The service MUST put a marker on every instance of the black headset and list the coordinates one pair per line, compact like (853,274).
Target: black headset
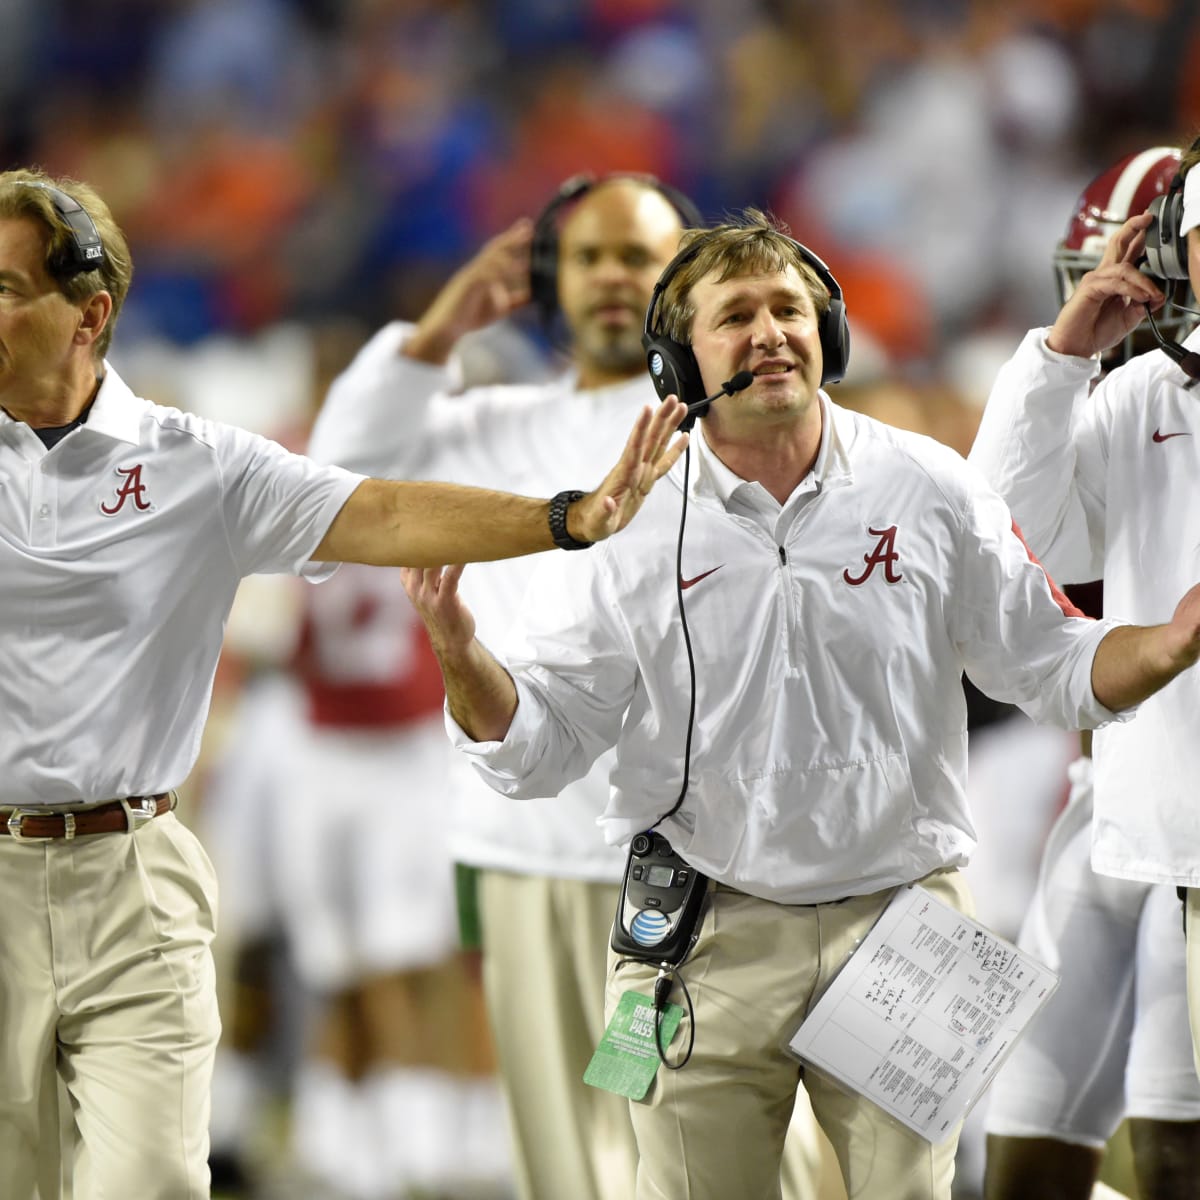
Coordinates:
(673,366)
(543,250)
(1166,247)
(1165,255)
(85,250)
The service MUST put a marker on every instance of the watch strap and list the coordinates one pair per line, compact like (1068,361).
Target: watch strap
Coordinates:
(558,521)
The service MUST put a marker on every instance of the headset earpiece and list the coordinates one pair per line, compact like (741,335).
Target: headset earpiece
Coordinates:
(1166,249)
(672,365)
(673,370)
(85,250)
(834,330)
(543,249)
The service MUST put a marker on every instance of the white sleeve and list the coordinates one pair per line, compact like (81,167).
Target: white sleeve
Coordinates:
(1037,446)
(573,663)
(276,506)
(1021,640)
(390,416)
(375,417)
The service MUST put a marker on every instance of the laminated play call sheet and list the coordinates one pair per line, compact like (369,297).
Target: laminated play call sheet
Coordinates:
(924,1012)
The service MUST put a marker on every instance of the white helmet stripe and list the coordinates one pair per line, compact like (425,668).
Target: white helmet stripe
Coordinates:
(1133,177)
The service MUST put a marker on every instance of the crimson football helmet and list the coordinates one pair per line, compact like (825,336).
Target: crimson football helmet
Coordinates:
(1123,191)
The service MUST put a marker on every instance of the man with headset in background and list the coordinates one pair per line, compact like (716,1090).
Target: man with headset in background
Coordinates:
(547,880)
(1102,481)
(840,575)
(125,529)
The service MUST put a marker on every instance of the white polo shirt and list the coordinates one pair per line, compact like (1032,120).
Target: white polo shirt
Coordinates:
(120,552)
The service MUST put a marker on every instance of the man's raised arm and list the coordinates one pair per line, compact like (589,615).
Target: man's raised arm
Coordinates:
(401,524)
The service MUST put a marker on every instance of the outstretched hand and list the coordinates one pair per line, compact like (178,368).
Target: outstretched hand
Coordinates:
(492,285)
(1133,661)
(648,455)
(1111,300)
(480,693)
(434,594)
(1183,632)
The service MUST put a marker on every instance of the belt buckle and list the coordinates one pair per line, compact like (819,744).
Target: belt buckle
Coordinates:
(138,812)
(16,821)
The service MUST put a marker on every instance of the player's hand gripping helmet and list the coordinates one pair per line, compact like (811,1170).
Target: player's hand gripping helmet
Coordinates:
(1115,195)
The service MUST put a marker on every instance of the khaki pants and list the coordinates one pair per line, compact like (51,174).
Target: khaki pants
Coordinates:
(1192,925)
(544,947)
(716,1128)
(107,973)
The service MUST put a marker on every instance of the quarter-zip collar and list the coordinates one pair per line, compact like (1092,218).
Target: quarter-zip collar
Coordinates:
(713,480)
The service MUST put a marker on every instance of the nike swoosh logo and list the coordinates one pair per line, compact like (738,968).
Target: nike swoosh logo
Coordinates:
(687,583)
(1166,437)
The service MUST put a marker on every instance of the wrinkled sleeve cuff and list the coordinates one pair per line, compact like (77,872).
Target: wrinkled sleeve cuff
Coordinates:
(1093,714)
(1086,367)
(522,746)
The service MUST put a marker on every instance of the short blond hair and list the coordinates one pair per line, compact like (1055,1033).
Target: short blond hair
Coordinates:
(19,199)
(749,244)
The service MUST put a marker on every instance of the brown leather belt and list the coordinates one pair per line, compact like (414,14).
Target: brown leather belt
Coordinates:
(118,816)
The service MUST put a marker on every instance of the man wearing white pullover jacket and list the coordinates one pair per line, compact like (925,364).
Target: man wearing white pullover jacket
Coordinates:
(840,576)
(548,882)
(1111,1043)
(1103,481)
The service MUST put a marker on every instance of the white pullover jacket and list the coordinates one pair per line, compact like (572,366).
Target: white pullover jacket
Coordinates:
(1104,486)
(829,752)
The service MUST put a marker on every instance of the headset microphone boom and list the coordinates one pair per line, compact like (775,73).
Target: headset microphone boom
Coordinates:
(739,383)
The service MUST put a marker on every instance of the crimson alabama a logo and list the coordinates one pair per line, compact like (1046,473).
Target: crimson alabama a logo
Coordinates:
(884,554)
(130,488)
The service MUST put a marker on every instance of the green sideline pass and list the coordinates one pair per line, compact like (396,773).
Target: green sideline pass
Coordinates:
(626,1060)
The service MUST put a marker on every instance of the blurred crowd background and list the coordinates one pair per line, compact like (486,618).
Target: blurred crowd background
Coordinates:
(293,173)
(322,163)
